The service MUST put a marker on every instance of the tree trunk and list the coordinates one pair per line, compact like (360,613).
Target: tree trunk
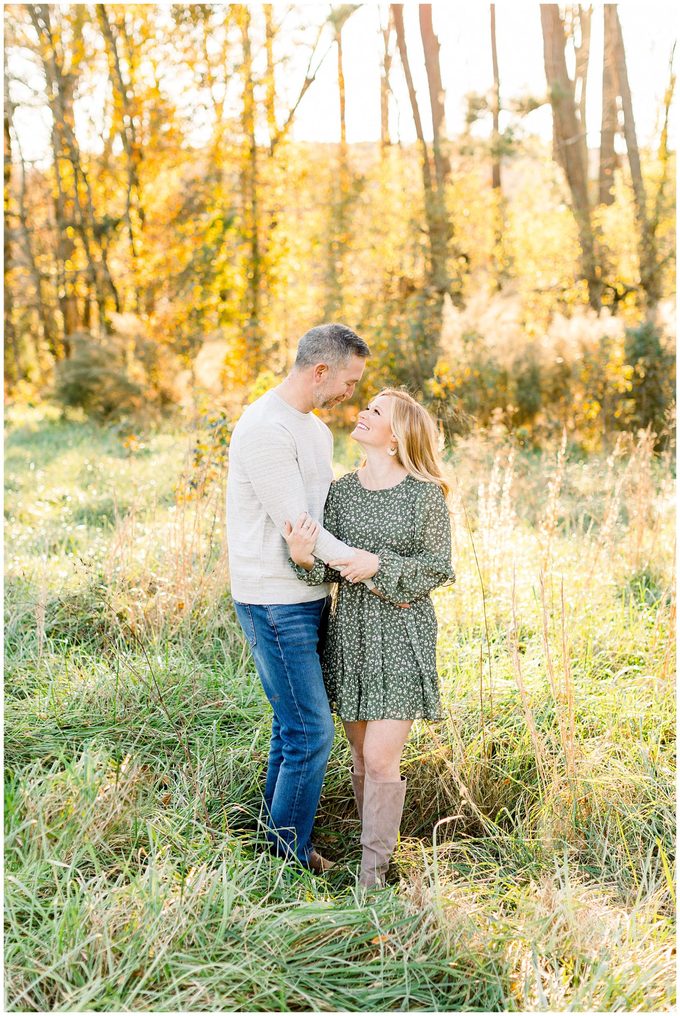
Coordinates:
(439,231)
(436,217)
(434,81)
(250,194)
(341,95)
(13,363)
(582,54)
(44,305)
(571,143)
(386,65)
(340,189)
(663,154)
(609,113)
(128,132)
(647,253)
(270,93)
(496,107)
(70,211)
(499,258)
(60,92)
(398,18)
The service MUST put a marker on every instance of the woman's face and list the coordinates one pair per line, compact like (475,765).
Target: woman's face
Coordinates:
(373,428)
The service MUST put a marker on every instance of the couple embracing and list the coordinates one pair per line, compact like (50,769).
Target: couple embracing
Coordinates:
(380,538)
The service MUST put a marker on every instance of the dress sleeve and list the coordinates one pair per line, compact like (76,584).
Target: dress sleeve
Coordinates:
(403,579)
(321,572)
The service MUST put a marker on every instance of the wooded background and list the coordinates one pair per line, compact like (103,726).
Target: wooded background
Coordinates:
(168,238)
(502,279)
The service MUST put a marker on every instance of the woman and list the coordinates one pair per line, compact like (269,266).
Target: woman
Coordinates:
(379,657)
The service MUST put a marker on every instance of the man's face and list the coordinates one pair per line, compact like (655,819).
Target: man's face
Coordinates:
(336,384)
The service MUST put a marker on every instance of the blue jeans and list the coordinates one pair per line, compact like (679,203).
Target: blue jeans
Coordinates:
(285,639)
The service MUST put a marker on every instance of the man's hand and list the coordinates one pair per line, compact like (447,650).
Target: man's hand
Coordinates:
(362,565)
(301,539)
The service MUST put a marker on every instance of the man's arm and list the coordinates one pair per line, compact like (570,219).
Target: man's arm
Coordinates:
(270,463)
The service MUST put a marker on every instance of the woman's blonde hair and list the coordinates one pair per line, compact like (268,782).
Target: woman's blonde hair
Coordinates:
(417,437)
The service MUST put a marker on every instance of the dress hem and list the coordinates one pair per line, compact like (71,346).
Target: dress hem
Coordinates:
(369,719)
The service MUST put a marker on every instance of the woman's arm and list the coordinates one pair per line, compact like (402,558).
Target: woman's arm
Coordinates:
(405,578)
(301,541)
(301,538)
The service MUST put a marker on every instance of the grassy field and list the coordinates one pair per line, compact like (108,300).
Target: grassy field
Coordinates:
(536,865)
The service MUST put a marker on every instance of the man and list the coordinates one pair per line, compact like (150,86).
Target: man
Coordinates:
(280,465)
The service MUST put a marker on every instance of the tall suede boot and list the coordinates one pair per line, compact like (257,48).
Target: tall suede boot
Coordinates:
(383,807)
(358,784)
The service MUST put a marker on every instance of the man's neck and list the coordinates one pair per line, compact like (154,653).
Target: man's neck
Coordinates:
(295,394)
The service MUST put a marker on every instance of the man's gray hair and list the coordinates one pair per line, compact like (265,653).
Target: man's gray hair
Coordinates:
(331,344)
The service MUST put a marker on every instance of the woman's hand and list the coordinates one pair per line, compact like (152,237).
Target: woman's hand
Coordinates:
(301,539)
(362,565)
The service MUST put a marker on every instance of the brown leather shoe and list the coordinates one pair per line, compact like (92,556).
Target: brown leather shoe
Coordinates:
(319,864)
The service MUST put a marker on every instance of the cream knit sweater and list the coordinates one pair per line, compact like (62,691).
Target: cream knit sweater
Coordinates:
(279,466)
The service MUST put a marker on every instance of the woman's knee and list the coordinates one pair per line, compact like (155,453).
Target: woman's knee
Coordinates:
(355,737)
(380,766)
(357,753)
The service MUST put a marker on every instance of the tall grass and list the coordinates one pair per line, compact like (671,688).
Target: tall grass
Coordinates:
(535,868)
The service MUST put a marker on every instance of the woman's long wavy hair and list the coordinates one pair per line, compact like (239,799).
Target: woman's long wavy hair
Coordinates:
(417,437)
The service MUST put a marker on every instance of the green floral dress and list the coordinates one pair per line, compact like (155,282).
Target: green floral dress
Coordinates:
(379,659)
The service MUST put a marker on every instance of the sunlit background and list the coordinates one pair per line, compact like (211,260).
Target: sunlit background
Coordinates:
(465,60)
(173,224)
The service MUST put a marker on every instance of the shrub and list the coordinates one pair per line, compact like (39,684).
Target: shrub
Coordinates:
(526,388)
(585,372)
(95,377)
(653,376)
(111,376)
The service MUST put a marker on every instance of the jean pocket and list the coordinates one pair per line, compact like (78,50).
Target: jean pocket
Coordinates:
(296,624)
(245,617)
